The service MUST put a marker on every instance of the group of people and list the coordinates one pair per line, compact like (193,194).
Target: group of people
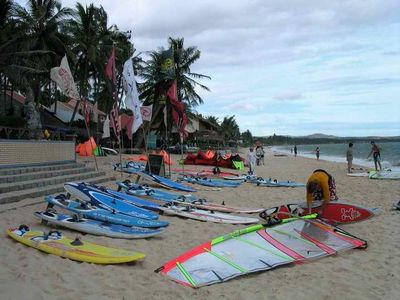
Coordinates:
(375,152)
(255,158)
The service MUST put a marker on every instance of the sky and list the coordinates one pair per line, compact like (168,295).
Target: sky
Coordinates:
(286,67)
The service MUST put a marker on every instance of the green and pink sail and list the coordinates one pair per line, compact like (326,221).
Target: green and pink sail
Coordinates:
(258,248)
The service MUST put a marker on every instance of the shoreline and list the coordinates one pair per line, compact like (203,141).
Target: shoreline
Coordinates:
(363,163)
(358,274)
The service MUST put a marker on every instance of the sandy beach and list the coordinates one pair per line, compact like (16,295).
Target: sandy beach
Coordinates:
(373,273)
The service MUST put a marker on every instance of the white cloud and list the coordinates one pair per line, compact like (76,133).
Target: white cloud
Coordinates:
(288,95)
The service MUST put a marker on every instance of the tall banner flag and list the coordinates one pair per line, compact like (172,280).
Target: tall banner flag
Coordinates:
(114,115)
(114,119)
(110,69)
(132,96)
(106,128)
(147,112)
(167,66)
(178,110)
(63,77)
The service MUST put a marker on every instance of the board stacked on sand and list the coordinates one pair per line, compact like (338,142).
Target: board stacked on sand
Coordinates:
(182,200)
(258,248)
(384,174)
(276,183)
(145,191)
(210,182)
(96,227)
(95,196)
(96,213)
(165,182)
(56,243)
(206,215)
(129,167)
(335,212)
(178,208)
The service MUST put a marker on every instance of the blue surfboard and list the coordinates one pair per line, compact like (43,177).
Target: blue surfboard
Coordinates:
(153,193)
(166,182)
(101,199)
(96,213)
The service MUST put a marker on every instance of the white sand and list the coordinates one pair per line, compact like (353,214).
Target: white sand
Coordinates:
(373,273)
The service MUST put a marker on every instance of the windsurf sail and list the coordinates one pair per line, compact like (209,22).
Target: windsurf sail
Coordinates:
(257,248)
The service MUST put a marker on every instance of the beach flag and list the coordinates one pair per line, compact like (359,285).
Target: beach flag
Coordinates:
(63,77)
(129,127)
(114,119)
(96,112)
(106,128)
(110,69)
(86,111)
(132,96)
(165,116)
(167,66)
(147,112)
(178,110)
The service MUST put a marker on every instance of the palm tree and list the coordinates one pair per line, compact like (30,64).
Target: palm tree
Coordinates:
(184,59)
(229,128)
(42,22)
(213,120)
(157,81)
(84,32)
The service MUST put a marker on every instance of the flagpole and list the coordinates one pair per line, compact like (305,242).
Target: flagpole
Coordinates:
(90,140)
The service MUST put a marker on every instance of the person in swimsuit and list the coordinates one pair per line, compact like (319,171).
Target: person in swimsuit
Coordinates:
(376,154)
(317,153)
(349,158)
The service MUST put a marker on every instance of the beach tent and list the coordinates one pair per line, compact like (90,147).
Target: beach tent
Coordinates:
(211,158)
(143,157)
(86,148)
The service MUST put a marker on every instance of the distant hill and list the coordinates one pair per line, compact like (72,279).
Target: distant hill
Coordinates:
(321,136)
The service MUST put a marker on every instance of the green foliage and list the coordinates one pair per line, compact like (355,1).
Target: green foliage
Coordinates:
(247,138)
(12,121)
(35,37)
(229,128)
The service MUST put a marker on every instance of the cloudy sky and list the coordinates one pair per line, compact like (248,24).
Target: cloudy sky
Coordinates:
(292,67)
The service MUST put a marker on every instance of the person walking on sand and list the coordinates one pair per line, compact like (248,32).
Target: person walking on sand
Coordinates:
(376,154)
(295,150)
(251,160)
(317,153)
(349,158)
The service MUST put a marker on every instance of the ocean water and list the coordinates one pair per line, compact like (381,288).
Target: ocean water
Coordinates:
(390,153)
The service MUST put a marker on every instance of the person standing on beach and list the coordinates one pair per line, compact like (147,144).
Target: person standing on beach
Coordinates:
(317,153)
(376,154)
(295,150)
(251,160)
(349,158)
(260,155)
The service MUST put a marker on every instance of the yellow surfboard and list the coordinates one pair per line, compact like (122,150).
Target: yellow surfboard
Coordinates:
(55,243)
